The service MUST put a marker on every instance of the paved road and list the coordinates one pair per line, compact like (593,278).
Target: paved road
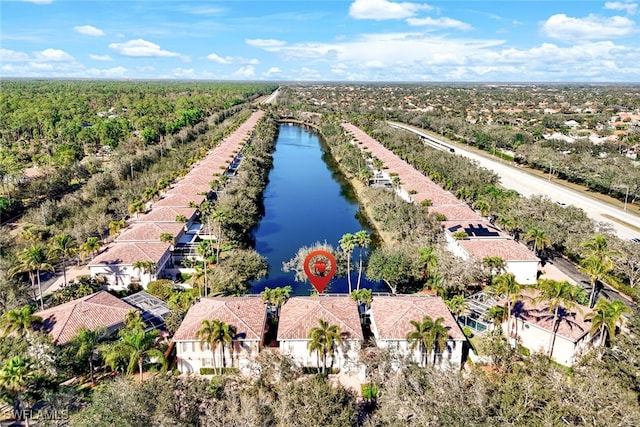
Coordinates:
(526,184)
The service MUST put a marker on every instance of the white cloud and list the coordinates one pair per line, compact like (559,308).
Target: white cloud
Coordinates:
(89,30)
(184,72)
(231,59)
(141,48)
(272,71)
(439,23)
(13,56)
(100,57)
(38,1)
(52,55)
(245,72)
(265,43)
(109,72)
(383,9)
(592,27)
(630,8)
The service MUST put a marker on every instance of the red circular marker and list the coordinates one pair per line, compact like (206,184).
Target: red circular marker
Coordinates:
(320,266)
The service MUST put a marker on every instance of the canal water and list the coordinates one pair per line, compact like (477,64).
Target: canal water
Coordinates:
(306,200)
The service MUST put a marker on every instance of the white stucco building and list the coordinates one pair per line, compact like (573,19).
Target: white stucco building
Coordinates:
(391,318)
(247,315)
(300,315)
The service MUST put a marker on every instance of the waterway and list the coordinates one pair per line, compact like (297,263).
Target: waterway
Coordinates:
(307,200)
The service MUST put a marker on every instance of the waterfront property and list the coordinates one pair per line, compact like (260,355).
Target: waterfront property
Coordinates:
(299,315)
(99,310)
(391,318)
(247,315)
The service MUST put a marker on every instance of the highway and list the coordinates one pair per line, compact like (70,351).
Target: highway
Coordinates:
(527,185)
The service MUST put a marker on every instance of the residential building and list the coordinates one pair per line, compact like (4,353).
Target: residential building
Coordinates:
(247,315)
(300,315)
(391,318)
(99,310)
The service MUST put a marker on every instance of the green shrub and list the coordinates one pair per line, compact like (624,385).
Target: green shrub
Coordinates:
(214,371)
(467,332)
(162,288)
(369,391)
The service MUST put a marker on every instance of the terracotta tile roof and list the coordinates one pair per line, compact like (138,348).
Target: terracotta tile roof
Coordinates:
(99,310)
(149,231)
(507,249)
(175,199)
(128,253)
(455,212)
(476,229)
(393,315)
(166,214)
(572,325)
(301,314)
(247,314)
(189,190)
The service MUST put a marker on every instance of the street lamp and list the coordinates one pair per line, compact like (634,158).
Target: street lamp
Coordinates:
(550,169)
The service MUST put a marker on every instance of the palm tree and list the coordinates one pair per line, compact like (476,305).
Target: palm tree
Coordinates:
(422,338)
(539,238)
(219,216)
(457,305)
(506,284)
(86,345)
(90,246)
(276,297)
(145,267)
(496,314)
(598,247)
(322,339)
(495,264)
(428,261)
(16,374)
(558,295)
(428,335)
(64,246)
(597,263)
(19,321)
(365,176)
(483,206)
(32,260)
(137,207)
(348,244)
(362,239)
(605,318)
(214,333)
(134,347)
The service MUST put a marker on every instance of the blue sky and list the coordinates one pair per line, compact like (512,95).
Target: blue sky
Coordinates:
(323,40)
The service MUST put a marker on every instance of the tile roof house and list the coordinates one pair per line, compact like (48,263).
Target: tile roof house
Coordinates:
(178,200)
(168,214)
(391,318)
(99,310)
(532,324)
(299,315)
(150,231)
(247,314)
(116,262)
(519,260)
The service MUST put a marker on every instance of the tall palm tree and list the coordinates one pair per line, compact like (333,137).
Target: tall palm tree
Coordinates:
(33,260)
(219,216)
(495,264)
(137,207)
(134,347)
(216,333)
(428,261)
(506,284)
(483,206)
(322,340)
(420,336)
(90,246)
(16,374)
(605,317)
(64,246)
(348,244)
(457,305)
(86,342)
(597,263)
(19,321)
(539,239)
(598,247)
(145,267)
(440,337)
(276,297)
(362,240)
(557,295)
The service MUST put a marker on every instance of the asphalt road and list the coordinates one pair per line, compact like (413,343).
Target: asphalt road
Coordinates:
(527,185)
